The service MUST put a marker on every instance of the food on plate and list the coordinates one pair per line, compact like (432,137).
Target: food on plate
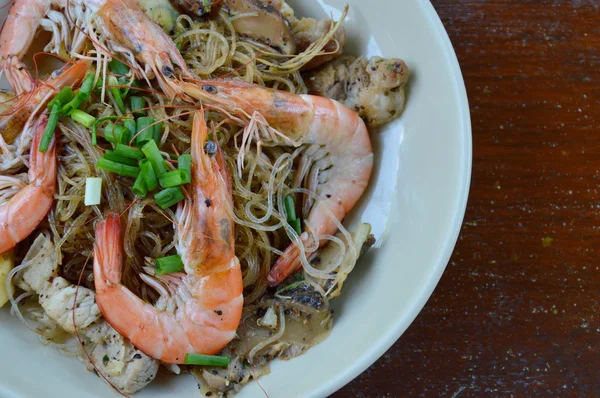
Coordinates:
(374,88)
(174,194)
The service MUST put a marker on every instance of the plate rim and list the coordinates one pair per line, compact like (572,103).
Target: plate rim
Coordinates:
(387,339)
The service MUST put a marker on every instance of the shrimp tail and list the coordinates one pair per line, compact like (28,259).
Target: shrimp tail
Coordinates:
(109,249)
(286,265)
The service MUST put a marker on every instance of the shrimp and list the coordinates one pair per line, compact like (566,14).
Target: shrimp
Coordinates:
(14,120)
(20,28)
(21,215)
(341,147)
(204,309)
(126,29)
(113,26)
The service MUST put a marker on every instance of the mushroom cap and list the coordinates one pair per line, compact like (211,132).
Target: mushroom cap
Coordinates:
(266,24)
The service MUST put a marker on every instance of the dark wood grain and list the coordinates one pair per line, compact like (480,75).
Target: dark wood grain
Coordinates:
(516,312)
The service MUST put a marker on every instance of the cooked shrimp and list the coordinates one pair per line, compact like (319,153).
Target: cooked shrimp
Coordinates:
(346,158)
(23,213)
(114,26)
(204,309)
(17,34)
(20,28)
(13,121)
(128,30)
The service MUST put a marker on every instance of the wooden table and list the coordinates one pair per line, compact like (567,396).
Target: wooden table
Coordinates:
(516,312)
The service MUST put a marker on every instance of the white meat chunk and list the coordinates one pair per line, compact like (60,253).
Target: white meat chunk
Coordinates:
(126,367)
(60,298)
(72,308)
(374,88)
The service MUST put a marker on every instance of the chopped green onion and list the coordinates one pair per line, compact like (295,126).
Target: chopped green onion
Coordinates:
(63,97)
(151,151)
(169,264)
(157,131)
(172,179)
(93,191)
(139,187)
(95,126)
(109,133)
(118,168)
(83,118)
(137,103)
(131,126)
(145,130)
(117,134)
(149,174)
(50,127)
(206,360)
(116,93)
(117,67)
(132,84)
(114,157)
(88,85)
(184,163)
(168,197)
(129,152)
(297,224)
(122,134)
(290,208)
(83,94)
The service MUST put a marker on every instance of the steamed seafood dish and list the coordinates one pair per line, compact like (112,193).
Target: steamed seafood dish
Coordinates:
(174,179)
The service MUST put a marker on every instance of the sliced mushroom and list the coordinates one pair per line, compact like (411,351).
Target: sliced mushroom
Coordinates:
(198,8)
(262,21)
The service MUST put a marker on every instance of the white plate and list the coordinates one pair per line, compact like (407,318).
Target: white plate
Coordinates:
(416,206)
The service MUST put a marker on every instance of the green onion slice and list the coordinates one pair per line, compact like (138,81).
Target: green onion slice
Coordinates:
(114,157)
(151,151)
(83,94)
(129,152)
(97,122)
(290,208)
(184,163)
(118,168)
(145,130)
(137,103)
(167,265)
(157,131)
(83,118)
(148,174)
(139,187)
(206,360)
(131,126)
(169,197)
(117,67)
(50,127)
(116,93)
(172,179)
(297,224)
(63,97)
